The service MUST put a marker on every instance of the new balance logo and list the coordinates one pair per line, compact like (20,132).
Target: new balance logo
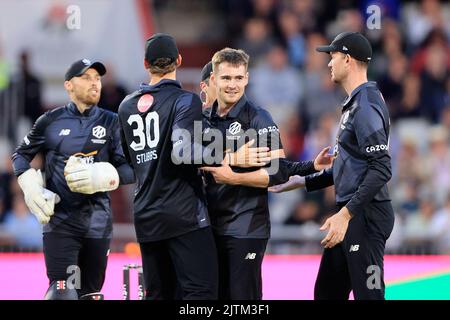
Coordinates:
(64,132)
(344,48)
(250,256)
(354,247)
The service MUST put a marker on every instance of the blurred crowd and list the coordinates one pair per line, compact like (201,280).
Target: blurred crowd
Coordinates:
(411,64)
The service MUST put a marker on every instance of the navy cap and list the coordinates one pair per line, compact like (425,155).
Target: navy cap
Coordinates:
(160,45)
(206,71)
(352,43)
(79,67)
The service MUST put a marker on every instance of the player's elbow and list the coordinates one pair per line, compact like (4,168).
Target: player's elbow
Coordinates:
(126,174)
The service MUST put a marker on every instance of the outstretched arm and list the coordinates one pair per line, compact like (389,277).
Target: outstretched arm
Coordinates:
(263,177)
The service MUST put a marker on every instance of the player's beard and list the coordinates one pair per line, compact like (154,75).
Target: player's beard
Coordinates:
(88,98)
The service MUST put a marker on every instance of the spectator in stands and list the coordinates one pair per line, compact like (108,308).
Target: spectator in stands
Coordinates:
(410,105)
(112,91)
(293,38)
(418,225)
(29,87)
(437,164)
(321,95)
(434,79)
(307,13)
(23,226)
(276,85)
(304,212)
(292,137)
(420,20)
(6,175)
(445,115)
(391,83)
(440,228)
(256,40)
(322,135)
(265,9)
(392,45)
(347,20)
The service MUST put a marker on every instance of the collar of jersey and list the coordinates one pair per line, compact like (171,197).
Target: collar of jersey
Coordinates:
(356,91)
(87,113)
(145,87)
(234,112)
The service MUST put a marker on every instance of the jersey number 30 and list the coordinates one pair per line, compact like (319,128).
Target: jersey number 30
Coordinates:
(149,133)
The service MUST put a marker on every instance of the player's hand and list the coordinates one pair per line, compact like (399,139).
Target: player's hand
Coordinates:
(294,182)
(223,174)
(90,178)
(324,160)
(337,225)
(246,157)
(39,200)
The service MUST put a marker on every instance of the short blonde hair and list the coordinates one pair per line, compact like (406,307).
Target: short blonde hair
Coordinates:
(236,57)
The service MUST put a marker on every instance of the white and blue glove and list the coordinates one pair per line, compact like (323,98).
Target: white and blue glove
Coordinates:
(39,200)
(90,178)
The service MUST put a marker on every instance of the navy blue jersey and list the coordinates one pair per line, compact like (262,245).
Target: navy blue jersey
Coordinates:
(169,198)
(362,166)
(93,136)
(240,211)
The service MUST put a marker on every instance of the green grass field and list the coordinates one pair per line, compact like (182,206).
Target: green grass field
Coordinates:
(436,287)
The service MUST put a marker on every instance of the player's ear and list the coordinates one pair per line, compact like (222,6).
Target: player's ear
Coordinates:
(247,75)
(146,64)
(347,58)
(179,60)
(68,85)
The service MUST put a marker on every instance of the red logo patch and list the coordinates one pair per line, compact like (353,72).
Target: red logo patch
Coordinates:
(145,102)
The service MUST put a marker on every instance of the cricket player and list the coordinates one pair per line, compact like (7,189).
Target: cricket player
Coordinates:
(171,219)
(355,241)
(208,88)
(239,211)
(83,160)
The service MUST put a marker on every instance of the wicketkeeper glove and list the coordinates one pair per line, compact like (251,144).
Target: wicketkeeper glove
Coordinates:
(90,178)
(39,200)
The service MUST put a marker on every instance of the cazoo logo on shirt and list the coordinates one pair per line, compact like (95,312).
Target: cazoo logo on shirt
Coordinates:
(378,147)
(268,129)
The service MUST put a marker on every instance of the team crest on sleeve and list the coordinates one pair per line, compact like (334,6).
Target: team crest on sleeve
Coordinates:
(145,102)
